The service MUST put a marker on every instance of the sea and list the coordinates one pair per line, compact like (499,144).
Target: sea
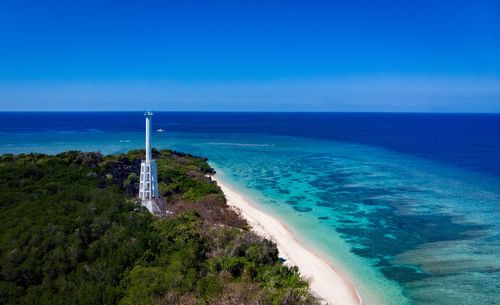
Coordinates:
(407,205)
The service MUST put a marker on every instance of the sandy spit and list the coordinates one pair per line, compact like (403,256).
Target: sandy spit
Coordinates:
(326,282)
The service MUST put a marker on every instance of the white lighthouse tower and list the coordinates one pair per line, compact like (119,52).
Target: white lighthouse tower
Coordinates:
(148,189)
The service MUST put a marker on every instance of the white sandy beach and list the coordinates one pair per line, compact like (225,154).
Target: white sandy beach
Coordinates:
(326,282)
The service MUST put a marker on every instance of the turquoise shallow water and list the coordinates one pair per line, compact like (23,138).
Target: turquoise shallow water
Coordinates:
(410,230)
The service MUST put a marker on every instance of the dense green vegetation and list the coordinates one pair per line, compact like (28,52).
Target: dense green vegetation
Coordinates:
(72,232)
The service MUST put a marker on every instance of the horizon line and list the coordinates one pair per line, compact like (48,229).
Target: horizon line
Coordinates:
(243,111)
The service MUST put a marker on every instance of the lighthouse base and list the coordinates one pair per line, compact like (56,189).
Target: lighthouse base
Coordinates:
(156,207)
(148,188)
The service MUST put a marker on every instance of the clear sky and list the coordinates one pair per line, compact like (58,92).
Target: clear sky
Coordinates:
(250,55)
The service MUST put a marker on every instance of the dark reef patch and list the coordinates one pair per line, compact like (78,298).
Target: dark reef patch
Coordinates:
(410,231)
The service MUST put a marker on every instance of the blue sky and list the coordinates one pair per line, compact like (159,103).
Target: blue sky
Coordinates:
(250,55)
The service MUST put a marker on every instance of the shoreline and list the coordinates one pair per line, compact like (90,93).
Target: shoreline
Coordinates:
(325,282)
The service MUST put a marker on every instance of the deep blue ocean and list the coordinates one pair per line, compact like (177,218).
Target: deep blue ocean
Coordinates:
(408,204)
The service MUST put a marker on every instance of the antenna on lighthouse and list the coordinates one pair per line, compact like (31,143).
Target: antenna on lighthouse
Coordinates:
(149,118)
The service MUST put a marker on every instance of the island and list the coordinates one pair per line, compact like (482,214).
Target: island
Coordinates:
(73,231)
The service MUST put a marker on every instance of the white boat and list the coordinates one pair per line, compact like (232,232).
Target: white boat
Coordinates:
(159,130)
